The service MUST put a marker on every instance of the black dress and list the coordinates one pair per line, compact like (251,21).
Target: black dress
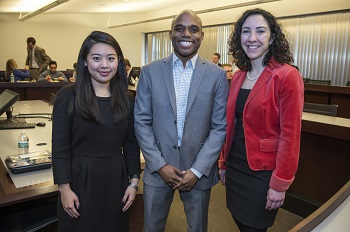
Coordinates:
(96,160)
(246,190)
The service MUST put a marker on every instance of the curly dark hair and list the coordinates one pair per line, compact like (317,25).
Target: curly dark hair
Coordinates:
(279,49)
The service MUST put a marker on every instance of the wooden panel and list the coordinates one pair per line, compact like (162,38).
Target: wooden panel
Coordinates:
(316,97)
(343,102)
(34,90)
(329,94)
(323,166)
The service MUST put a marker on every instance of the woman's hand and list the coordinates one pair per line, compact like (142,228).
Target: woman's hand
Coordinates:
(130,194)
(274,199)
(222,174)
(69,199)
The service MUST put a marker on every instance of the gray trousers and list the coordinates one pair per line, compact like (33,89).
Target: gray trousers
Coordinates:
(157,202)
(34,73)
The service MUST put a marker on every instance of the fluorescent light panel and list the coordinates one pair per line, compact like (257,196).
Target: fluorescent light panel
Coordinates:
(251,3)
(42,9)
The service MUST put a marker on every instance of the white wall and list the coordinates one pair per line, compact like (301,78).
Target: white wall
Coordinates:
(61,35)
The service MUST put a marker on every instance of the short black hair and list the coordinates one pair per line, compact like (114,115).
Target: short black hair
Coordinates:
(217,54)
(52,62)
(31,40)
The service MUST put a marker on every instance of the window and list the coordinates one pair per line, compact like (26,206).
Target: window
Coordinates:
(319,44)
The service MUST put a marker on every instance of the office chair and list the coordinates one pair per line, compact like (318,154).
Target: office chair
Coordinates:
(306,80)
(319,82)
(324,109)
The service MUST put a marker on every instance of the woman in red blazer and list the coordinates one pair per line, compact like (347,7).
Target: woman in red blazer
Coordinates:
(264,109)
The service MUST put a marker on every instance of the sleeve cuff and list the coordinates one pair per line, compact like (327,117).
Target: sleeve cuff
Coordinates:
(197,173)
(279,184)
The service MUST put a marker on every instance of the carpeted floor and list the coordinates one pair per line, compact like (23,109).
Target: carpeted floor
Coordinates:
(220,219)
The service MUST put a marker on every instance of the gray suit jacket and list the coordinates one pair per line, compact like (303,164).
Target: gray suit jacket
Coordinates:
(41,58)
(205,123)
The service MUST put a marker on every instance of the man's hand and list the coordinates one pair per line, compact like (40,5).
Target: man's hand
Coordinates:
(170,175)
(187,182)
(48,78)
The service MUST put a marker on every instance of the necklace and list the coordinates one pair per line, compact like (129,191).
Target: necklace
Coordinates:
(254,78)
(104,94)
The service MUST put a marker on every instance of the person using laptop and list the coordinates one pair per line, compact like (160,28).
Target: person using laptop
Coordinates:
(52,74)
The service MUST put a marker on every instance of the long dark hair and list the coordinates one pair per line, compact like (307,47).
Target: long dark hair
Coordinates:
(85,98)
(279,49)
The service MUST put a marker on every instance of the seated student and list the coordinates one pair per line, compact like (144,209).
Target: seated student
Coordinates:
(52,74)
(229,71)
(12,67)
(131,73)
(73,77)
(216,59)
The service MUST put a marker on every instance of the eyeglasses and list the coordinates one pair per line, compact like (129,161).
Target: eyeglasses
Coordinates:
(229,70)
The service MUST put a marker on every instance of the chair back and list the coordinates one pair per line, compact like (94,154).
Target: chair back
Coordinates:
(319,82)
(324,109)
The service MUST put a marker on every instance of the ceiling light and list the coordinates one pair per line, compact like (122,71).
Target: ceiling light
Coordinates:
(41,10)
(134,1)
(244,4)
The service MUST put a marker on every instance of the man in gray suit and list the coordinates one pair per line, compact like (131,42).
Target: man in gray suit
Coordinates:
(180,125)
(37,59)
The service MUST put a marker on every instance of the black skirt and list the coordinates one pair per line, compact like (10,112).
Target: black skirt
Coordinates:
(246,190)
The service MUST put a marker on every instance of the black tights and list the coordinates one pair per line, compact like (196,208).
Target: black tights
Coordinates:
(244,228)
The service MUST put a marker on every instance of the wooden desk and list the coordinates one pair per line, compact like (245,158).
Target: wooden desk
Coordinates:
(33,90)
(44,192)
(9,194)
(324,158)
(329,94)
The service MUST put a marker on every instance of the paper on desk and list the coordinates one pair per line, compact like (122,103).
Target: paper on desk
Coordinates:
(30,178)
(36,177)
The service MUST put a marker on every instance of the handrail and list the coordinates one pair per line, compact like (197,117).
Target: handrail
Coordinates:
(313,220)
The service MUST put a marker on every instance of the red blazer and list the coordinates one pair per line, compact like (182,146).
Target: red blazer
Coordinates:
(271,121)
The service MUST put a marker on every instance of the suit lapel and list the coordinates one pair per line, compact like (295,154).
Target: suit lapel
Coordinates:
(197,78)
(167,69)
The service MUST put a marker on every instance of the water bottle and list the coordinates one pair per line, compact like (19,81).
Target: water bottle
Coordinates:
(136,81)
(12,77)
(23,143)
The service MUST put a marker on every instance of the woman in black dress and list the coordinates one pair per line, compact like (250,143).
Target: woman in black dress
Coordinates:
(96,157)
(264,109)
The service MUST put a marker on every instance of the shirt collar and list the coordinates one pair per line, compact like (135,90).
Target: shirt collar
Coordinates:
(193,59)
